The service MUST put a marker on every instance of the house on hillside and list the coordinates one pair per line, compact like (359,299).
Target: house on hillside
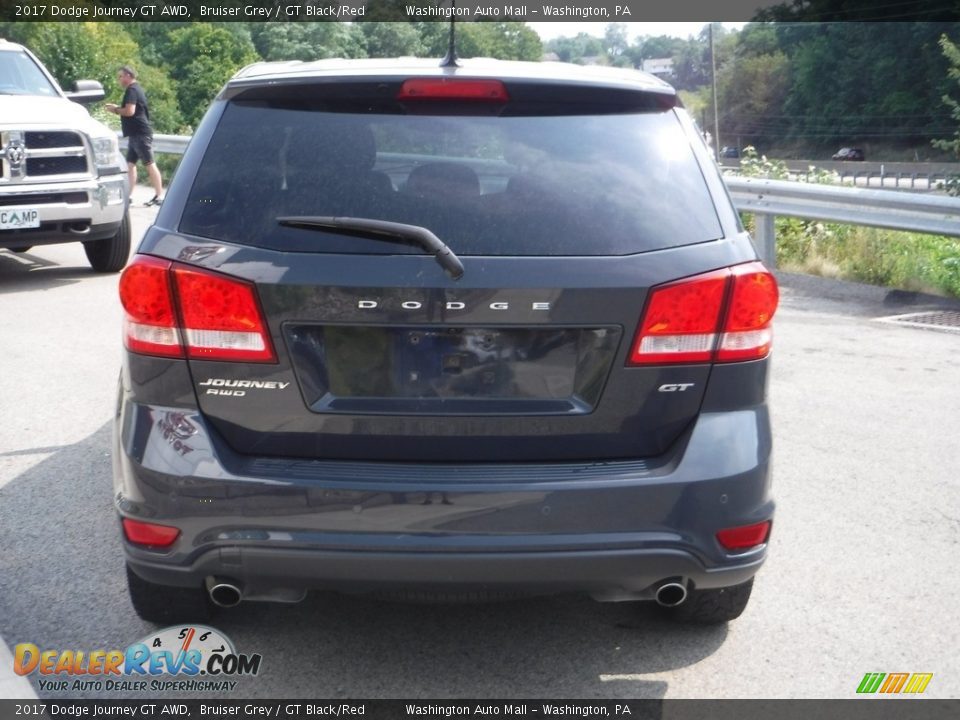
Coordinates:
(661,67)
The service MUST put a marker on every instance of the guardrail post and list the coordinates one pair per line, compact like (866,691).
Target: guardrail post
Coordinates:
(765,237)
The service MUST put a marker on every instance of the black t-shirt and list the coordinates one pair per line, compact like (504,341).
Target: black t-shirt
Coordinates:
(139,124)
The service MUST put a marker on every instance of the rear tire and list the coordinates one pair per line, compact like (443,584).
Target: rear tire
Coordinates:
(167,605)
(22,248)
(110,255)
(713,606)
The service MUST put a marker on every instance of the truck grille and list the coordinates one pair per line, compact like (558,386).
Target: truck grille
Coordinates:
(69,198)
(45,140)
(27,155)
(38,167)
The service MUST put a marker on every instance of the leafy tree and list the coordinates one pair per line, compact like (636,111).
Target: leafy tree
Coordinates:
(616,43)
(751,90)
(203,57)
(391,39)
(952,53)
(501,40)
(577,48)
(68,50)
(307,41)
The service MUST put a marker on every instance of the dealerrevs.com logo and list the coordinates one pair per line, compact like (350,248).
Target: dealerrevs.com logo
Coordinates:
(203,658)
(894,683)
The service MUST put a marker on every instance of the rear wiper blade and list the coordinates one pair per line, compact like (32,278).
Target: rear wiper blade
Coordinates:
(384,230)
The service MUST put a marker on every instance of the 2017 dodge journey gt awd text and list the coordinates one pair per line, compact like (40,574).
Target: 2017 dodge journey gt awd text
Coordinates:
(459,332)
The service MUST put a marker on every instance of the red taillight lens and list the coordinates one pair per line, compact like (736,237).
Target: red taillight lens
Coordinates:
(150,325)
(453,89)
(149,534)
(720,316)
(747,334)
(172,307)
(221,318)
(745,536)
(682,321)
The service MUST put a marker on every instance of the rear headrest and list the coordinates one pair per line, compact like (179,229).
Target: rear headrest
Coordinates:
(444,180)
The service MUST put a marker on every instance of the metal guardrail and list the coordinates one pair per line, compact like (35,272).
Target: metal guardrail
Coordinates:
(893,209)
(173,144)
(897,210)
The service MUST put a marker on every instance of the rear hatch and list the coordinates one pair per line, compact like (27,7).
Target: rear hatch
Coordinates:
(565,206)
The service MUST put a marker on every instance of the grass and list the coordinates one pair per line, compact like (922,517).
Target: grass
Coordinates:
(892,258)
(905,260)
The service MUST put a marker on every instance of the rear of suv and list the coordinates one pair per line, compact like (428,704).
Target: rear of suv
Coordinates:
(445,332)
(62,178)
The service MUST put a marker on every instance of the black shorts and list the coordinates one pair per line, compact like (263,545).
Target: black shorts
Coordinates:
(140,147)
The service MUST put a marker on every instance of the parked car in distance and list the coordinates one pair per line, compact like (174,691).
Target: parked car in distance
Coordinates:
(448,333)
(728,151)
(848,153)
(62,178)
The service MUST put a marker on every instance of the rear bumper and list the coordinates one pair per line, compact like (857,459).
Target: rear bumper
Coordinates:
(615,530)
(270,573)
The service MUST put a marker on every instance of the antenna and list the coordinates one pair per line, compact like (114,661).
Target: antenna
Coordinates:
(451,59)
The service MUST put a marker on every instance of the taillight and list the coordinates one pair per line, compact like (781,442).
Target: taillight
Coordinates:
(453,89)
(221,317)
(174,309)
(150,325)
(745,536)
(720,316)
(150,534)
(747,334)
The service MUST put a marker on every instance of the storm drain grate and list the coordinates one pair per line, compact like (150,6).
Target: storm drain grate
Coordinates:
(946,320)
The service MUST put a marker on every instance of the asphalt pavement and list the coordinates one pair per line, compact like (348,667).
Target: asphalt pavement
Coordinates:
(861,574)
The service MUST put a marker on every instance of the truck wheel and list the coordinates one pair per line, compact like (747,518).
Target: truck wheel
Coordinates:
(166,605)
(714,606)
(110,255)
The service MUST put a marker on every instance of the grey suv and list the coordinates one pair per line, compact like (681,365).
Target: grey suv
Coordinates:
(445,332)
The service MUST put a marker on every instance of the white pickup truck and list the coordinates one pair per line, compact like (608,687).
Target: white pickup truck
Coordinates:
(62,177)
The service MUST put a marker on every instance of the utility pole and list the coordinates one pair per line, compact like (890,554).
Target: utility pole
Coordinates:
(716,115)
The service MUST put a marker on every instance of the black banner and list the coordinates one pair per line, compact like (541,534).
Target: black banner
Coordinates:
(478,10)
(147,709)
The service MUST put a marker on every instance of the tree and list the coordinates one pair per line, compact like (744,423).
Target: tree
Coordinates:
(307,41)
(68,50)
(751,90)
(203,57)
(501,40)
(576,49)
(952,53)
(616,42)
(391,39)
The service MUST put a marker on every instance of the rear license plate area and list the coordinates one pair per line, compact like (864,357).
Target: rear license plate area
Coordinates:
(461,370)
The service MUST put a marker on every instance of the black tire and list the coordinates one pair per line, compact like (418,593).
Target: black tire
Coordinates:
(166,605)
(110,255)
(22,248)
(711,607)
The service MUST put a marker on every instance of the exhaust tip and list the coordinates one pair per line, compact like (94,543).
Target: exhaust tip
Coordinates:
(671,594)
(224,593)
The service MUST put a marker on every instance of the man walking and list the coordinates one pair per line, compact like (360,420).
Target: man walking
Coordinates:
(135,123)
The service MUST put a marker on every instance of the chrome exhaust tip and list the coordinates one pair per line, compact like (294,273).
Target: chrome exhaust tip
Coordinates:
(223,593)
(671,594)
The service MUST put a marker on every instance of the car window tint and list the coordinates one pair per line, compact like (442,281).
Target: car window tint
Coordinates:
(557,185)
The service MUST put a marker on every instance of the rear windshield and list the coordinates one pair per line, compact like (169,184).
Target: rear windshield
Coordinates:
(613,184)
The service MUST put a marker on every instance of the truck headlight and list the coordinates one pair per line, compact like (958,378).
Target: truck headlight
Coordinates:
(106,153)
